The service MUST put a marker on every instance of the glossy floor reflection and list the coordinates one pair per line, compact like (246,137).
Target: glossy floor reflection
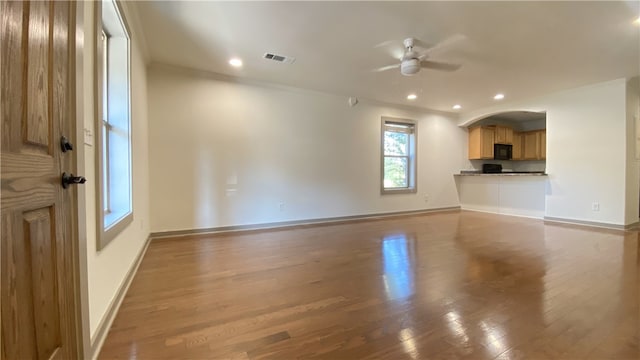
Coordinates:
(447,285)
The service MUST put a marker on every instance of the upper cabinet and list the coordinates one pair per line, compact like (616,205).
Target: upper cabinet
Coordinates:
(481,140)
(534,145)
(531,145)
(504,135)
(543,144)
(528,145)
(517,150)
(528,141)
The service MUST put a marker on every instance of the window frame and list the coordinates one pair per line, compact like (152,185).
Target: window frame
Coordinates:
(412,178)
(103,207)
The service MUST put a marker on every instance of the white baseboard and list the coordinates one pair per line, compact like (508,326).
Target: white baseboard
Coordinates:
(97,340)
(590,223)
(292,224)
(497,212)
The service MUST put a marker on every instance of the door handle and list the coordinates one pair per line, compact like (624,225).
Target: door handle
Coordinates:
(70,179)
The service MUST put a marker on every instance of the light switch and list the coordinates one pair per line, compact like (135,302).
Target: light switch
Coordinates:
(88,137)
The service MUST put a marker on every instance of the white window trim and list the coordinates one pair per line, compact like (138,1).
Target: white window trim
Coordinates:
(413,158)
(105,235)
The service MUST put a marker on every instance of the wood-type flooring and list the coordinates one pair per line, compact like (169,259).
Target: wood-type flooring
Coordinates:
(448,285)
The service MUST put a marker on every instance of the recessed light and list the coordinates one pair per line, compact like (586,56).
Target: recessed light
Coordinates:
(235,62)
(412,97)
(637,22)
(499,97)
(457,107)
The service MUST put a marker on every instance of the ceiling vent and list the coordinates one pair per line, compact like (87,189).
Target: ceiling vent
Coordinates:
(279,58)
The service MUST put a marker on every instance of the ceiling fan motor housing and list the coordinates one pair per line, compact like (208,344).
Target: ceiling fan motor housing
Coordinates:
(410,67)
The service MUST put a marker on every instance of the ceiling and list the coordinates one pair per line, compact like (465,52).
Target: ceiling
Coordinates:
(522,49)
(519,116)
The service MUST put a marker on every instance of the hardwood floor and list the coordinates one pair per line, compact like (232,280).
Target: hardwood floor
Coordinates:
(442,286)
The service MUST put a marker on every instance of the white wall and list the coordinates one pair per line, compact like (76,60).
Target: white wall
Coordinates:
(106,269)
(229,153)
(586,150)
(633,160)
(510,195)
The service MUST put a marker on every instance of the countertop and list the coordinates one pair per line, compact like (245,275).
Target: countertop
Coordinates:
(504,174)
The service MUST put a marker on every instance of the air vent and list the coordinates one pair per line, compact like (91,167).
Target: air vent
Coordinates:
(279,58)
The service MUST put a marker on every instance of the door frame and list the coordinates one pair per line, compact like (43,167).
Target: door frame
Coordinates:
(79,200)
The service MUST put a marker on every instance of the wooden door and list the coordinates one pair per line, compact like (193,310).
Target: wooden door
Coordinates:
(38,254)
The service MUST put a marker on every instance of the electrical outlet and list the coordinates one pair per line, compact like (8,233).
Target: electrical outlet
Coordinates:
(426,198)
(595,206)
(281,206)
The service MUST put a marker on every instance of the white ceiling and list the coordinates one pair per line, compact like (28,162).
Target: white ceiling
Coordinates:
(522,49)
(519,116)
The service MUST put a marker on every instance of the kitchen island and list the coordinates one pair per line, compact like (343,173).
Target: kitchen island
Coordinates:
(509,193)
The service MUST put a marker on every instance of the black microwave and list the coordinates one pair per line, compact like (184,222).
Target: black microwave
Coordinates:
(502,152)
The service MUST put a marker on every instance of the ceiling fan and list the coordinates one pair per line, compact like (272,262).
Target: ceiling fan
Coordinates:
(412,61)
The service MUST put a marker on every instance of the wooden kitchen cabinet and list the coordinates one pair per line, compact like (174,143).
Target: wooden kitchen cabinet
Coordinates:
(535,145)
(481,140)
(543,144)
(517,151)
(531,145)
(504,135)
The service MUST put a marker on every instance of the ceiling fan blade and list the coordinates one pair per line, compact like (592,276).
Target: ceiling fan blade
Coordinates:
(427,64)
(392,48)
(385,68)
(445,43)
(386,43)
(422,44)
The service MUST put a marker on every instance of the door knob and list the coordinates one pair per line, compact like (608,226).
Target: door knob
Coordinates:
(65,144)
(69,179)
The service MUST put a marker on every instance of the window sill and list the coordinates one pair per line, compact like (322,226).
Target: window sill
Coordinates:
(412,190)
(106,235)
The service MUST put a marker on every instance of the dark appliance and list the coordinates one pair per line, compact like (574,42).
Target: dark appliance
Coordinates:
(502,152)
(491,168)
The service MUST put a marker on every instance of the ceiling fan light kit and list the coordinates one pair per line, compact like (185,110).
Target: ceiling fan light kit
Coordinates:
(410,67)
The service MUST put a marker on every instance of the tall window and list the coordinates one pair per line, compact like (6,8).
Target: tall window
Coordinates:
(113,153)
(398,156)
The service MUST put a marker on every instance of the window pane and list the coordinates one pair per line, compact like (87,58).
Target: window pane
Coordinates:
(105,166)
(396,143)
(395,172)
(105,76)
